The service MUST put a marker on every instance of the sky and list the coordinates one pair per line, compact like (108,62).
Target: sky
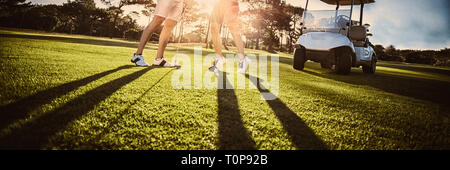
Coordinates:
(406,24)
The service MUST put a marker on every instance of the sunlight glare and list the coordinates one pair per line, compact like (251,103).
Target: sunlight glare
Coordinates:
(206,6)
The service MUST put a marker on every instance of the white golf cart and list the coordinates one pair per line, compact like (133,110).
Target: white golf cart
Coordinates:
(333,39)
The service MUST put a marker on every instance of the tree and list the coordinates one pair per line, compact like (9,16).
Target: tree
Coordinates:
(115,7)
(379,51)
(256,20)
(201,29)
(189,16)
(390,50)
(12,11)
(393,54)
(270,20)
(294,32)
(10,4)
(80,14)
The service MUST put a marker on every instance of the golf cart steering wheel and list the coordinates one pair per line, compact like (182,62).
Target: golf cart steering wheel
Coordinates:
(342,20)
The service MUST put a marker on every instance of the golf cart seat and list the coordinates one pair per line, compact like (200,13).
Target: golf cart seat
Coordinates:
(359,43)
(358,35)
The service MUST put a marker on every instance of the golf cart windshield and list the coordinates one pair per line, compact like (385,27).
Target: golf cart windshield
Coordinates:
(326,20)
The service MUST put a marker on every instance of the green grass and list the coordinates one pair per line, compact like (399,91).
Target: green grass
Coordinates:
(77,92)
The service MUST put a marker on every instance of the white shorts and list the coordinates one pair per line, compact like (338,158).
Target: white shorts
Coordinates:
(170,9)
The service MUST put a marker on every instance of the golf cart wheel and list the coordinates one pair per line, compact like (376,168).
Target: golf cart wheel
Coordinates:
(343,60)
(370,69)
(299,58)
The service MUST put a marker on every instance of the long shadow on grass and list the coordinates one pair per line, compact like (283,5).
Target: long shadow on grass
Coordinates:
(109,128)
(301,135)
(232,133)
(21,108)
(424,89)
(36,133)
(80,40)
(412,68)
(364,110)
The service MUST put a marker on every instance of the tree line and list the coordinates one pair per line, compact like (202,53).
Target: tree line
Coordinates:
(430,57)
(73,17)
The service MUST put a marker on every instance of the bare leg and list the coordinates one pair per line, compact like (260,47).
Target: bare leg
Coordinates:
(215,34)
(236,32)
(156,22)
(164,37)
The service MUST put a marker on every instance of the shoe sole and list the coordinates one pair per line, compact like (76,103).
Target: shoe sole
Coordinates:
(177,66)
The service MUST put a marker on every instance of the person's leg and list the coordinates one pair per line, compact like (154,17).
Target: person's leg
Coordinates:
(236,33)
(169,24)
(164,37)
(231,18)
(216,22)
(146,34)
(215,35)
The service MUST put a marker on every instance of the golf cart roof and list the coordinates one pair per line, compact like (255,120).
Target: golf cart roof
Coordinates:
(348,2)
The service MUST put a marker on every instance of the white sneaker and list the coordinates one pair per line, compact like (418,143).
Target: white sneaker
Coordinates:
(164,63)
(218,64)
(138,60)
(243,65)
